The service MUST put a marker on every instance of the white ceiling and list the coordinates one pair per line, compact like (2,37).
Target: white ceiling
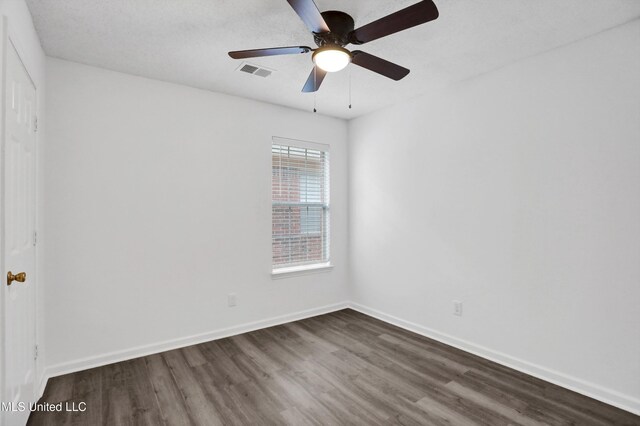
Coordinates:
(186,42)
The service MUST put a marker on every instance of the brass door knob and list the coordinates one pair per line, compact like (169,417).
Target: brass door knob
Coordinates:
(20,277)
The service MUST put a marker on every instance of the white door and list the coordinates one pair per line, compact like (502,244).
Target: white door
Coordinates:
(19,239)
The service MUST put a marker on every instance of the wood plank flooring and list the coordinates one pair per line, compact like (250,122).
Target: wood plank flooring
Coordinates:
(335,369)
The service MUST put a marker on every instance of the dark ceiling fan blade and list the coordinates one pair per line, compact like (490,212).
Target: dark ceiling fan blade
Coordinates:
(272,51)
(411,16)
(310,15)
(315,80)
(379,65)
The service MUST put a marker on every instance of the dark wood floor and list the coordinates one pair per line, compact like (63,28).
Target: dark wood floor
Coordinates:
(334,369)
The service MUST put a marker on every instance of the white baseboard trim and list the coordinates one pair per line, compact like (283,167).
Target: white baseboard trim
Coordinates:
(124,355)
(44,379)
(592,390)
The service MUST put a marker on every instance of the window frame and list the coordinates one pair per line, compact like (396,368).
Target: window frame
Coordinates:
(324,265)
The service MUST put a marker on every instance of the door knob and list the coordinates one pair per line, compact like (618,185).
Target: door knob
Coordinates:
(20,277)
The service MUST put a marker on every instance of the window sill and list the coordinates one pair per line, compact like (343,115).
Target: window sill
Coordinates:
(295,271)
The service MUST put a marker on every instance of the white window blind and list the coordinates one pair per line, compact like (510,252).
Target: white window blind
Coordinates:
(300,198)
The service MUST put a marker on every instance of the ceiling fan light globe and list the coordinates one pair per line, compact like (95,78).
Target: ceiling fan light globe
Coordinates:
(331,59)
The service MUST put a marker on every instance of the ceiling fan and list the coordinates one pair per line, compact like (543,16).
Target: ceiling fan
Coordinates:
(332,30)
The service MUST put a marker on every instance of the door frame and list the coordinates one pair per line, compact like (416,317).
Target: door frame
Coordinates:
(7,40)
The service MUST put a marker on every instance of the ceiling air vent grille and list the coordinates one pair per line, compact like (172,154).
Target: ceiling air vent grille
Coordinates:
(249,68)
(261,72)
(255,70)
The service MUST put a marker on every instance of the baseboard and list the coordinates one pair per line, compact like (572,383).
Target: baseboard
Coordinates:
(44,379)
(117,356)
(592,390)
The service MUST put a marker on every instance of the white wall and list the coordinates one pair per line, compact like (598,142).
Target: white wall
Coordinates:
(517,193)
(22,34)
(158,206)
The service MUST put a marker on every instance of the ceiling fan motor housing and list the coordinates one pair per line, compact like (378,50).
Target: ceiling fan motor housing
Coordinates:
(341,25)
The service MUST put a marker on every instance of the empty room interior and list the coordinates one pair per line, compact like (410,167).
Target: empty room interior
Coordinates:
(320,212)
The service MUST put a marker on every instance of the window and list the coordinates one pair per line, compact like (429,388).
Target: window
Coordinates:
(300,203)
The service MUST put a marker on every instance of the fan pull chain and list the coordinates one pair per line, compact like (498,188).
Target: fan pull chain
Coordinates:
(315,93)
(349,87)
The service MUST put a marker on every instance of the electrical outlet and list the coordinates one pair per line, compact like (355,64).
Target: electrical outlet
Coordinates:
(231,299)
(457,308)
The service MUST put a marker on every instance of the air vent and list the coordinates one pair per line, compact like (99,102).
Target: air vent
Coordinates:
(261,72)
(255,70)
(249,68)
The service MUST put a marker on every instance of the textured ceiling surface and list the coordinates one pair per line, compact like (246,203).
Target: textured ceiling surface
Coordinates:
(186,42)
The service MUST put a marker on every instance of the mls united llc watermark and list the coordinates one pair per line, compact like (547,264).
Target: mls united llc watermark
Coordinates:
(43,406)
